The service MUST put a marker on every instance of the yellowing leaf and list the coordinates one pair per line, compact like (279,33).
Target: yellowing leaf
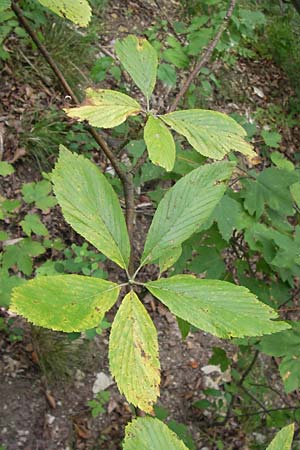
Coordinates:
(139,58)
(91,206)
(147,433)
(283,439)
(133,353)
(78,11)
(105,108)
(169,258)
(160,143)
(215,306)
(65,302)
(211,133)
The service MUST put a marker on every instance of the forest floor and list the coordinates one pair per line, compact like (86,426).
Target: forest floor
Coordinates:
(40,409)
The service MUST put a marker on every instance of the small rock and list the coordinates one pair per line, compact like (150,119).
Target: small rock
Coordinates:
(102,382)
(50,419)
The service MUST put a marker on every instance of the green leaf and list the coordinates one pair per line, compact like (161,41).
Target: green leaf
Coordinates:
(283,439)
(139,58)
(271,138)
(91,206)
(6,169)
(38,193)
(33,224)
(160,143)
(187,160)
(176,56)
(78,11)
(278,249)
(219,357)
(7,283)
(281,162)
(167,74)
(202,404)
(21,255)
(184,208)
(105,108)
(182,433)
(133,353)
(289,372)
(65,302)
(209,261)
(271,188)
(3,235)
(146,433)
(287,345)
(169,258)
(184,327)
(211,133)
(215,306)
(4,4)
(295,191)
(230,215)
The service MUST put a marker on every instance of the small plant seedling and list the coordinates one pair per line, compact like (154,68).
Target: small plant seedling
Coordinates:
(97,405)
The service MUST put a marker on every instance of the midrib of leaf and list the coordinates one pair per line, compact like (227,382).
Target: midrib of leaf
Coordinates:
(190,214)
(134,331)
(107,225)
(272,191)
(93,208)
(97,232)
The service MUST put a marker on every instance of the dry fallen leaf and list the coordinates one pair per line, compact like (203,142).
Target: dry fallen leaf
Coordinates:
(19,153)
(81,431)
(193,363)
(50,399)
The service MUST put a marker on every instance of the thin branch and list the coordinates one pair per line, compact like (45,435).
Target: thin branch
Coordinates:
(240,385)
(255,399)
(267,386)
(204,57)
(249,368)
(126,179)
(265,411)
(140,162)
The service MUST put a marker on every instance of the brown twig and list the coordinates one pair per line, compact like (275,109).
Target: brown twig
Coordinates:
(126,178)
(141,160)
(204,57)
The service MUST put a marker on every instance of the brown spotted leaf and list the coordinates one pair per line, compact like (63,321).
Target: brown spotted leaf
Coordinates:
(65,302)
(133,353)
(147,433)
(105,108)
(140,60)
(78,11)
